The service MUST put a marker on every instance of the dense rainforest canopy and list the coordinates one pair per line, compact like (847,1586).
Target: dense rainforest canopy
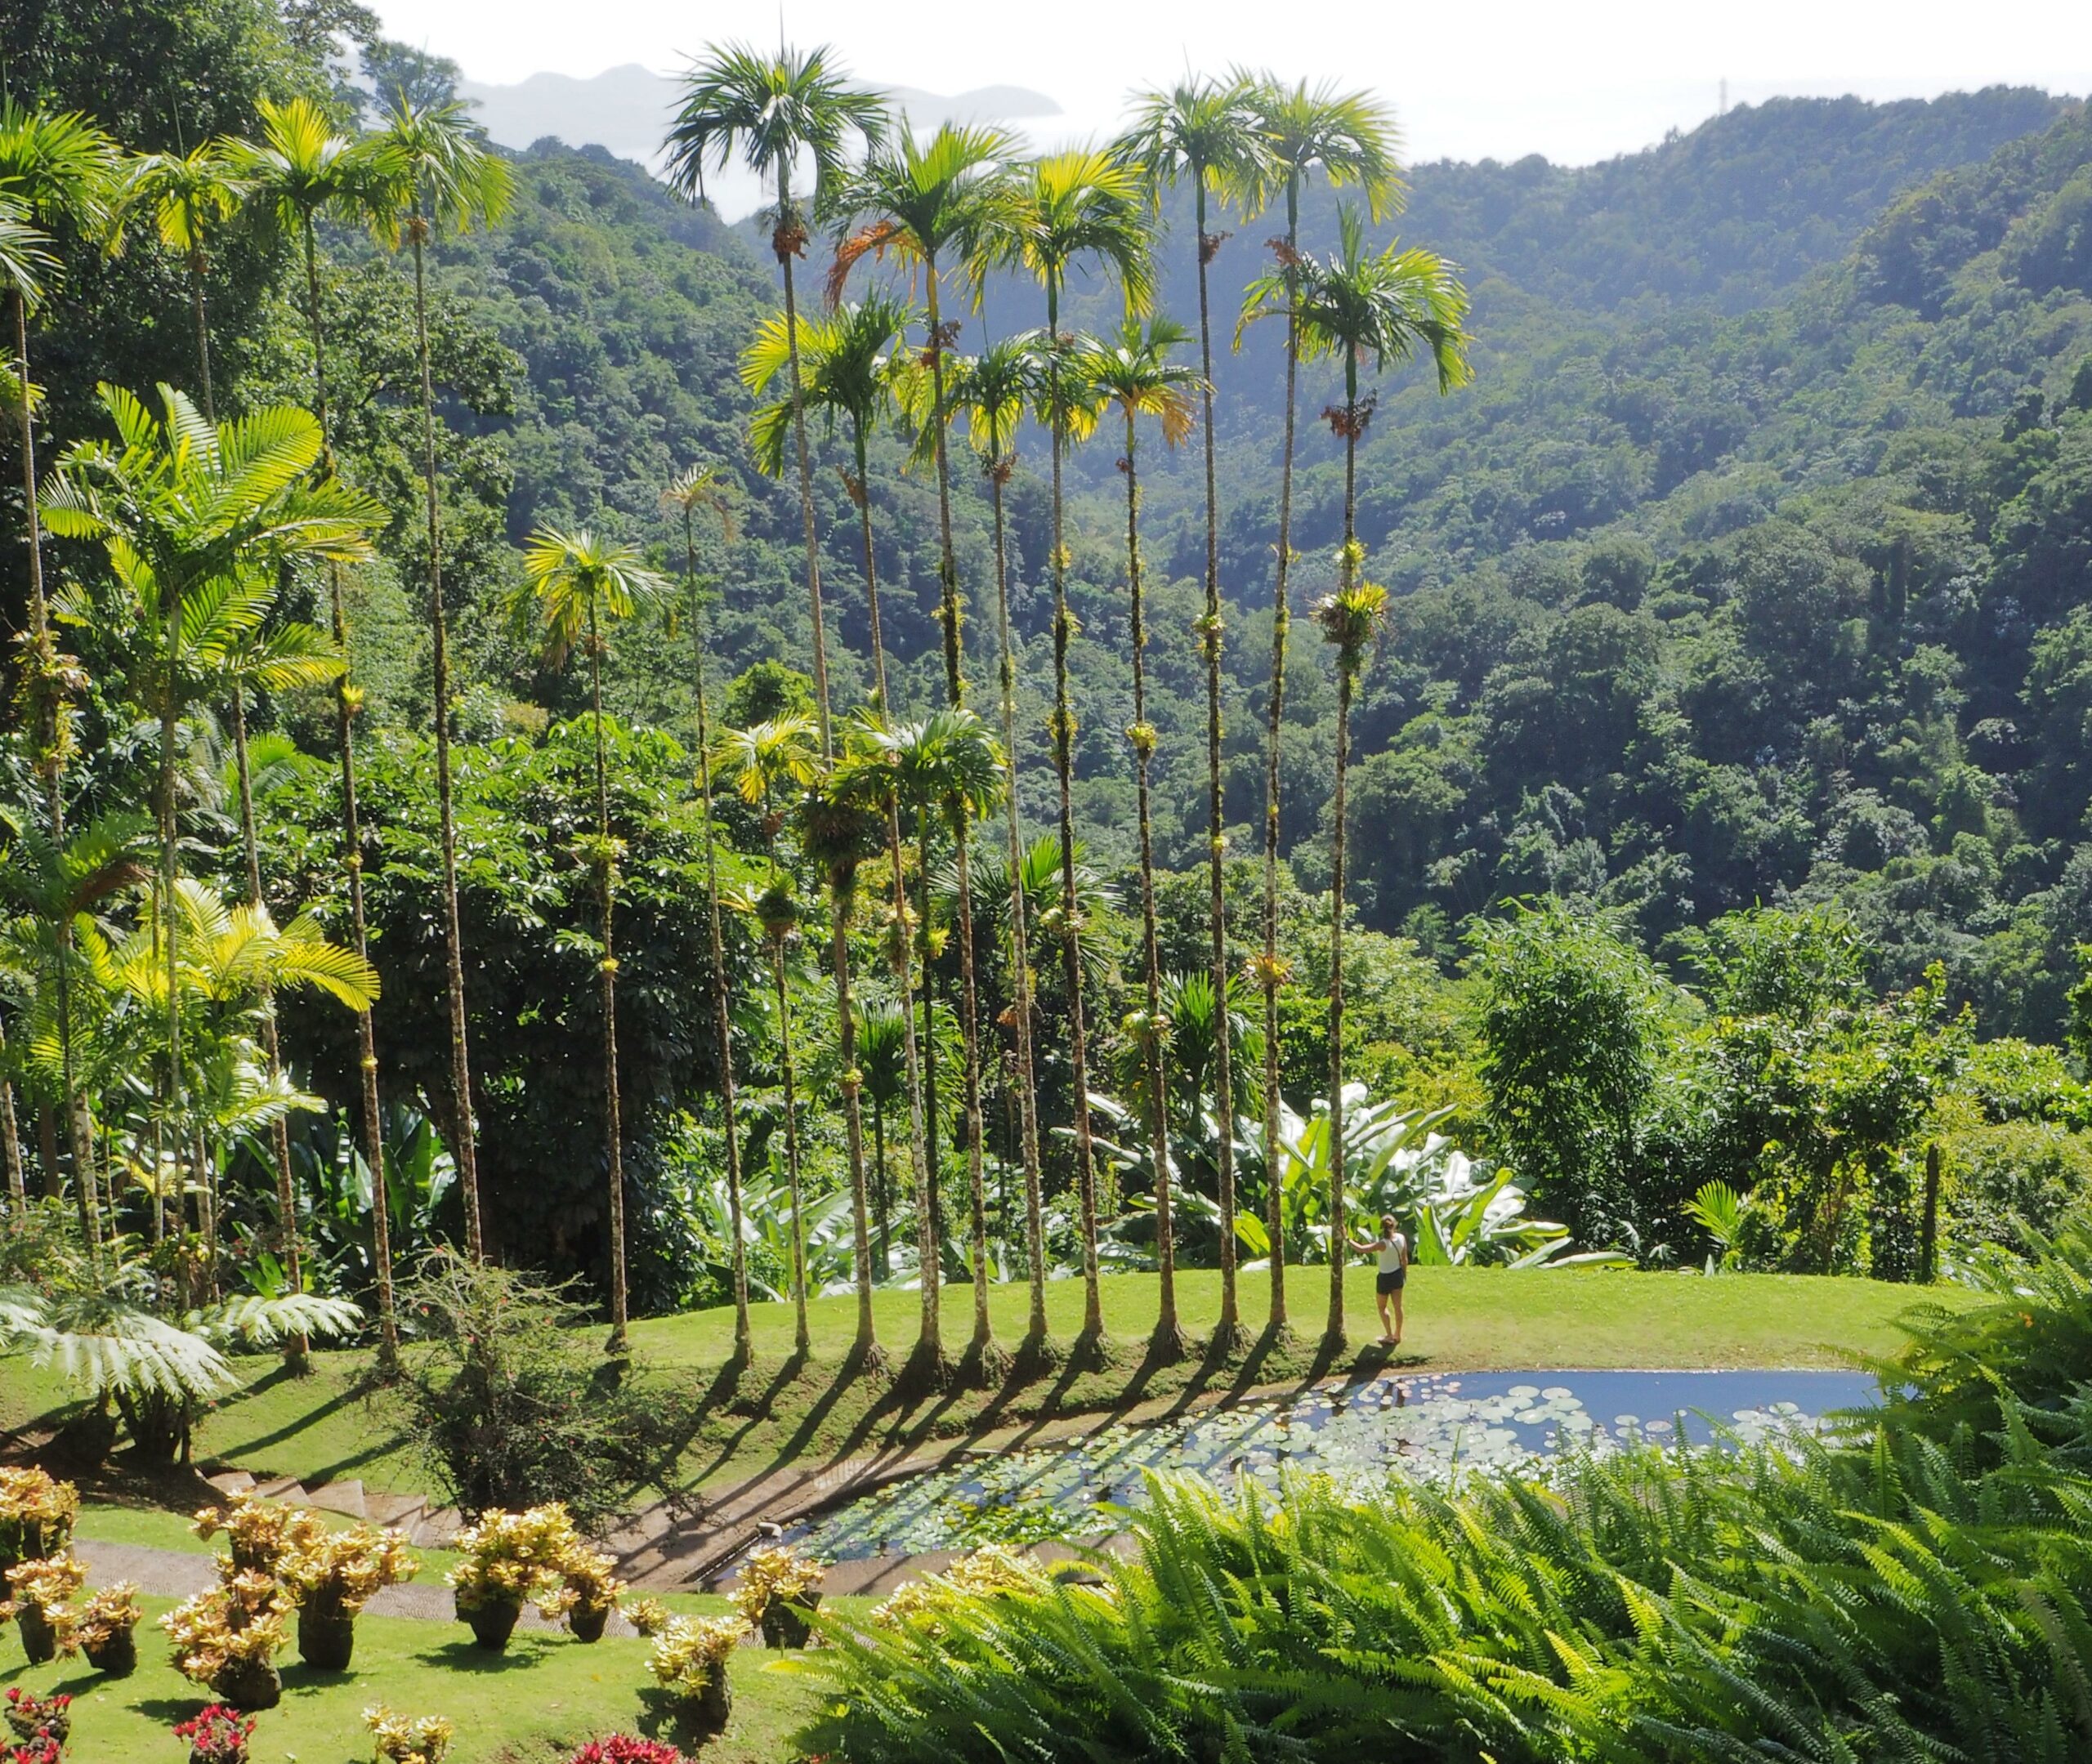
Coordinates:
(1747,564)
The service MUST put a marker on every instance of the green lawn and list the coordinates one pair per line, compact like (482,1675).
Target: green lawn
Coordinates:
(317,1428)
(546,1694)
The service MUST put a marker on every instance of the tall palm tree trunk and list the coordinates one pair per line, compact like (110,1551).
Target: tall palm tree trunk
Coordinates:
(613,1124)
(951,617)
(1275,712)
(1230,1325)
(929,1229)
(1064,766)
(1169,1332)
(801,1336)
(453,946)
(202,334)
(984,1350)
(373,1121)
(10,1144)
(929,1342)
(171,928)
(46,685)
(298,1348)
(1027,1094)
(722,1015)
(885,1192)
(1334,1331)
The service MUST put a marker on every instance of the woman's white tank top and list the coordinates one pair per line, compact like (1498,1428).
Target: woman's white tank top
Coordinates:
(1391,1257)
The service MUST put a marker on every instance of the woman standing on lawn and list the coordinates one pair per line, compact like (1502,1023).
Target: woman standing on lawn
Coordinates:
(1393,1249)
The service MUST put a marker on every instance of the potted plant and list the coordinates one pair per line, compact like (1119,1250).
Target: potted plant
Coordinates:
(509,1558)
(217,1736)
(36,1516)
(228,1638)
(589,1591)
(43,1749)
(34,1717)
(650,1617)
(403,1739)
(42,1604)
(330,1576)
(106,1628)
(776,1593)
(626,1749)
(690,1661)
(257,1533)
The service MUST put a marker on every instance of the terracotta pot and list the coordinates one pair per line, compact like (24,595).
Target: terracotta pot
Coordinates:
(587,1622)
(118,1657)
(249,1685)
(326,1639)
(39,1639)
(788,1626)
(491,1624)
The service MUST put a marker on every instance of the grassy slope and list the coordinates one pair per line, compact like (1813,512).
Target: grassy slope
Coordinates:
(1459,1318)
(545,1695)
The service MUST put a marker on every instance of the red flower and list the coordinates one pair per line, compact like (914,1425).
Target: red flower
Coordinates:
(623,1748)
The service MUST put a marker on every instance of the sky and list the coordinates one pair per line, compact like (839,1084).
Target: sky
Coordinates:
(1576,81)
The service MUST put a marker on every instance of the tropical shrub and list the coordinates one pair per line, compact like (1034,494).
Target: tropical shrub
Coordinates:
(335,1573)
(258,1533)
(650,1617)
(42,1604)
(106,1627)
(510,1405)
(624,1748)
(511,1559)
(33,1717)
(689,1656)
(228,1639)
(2014,1174)
(984,1574)
(216,1735)
(36,1514)
(777,1586)
(588,1590)
(398,1739)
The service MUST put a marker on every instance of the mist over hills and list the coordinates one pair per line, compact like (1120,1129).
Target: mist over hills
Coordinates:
(626,108)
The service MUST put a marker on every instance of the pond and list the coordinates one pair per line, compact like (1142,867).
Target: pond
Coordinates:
(1422,1426)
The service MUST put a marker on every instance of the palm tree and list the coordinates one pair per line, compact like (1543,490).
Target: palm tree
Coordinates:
(189,194)
(53,883)
(949,766)
(922,202)
(437,173)
(1350,137)
(993,391)
(1066,208)
(1205,132)
(270,658)
(1350,619)
(1133,371)
(837,833)
(844,373)
(700,487)
(184,509)
(879,1058)
(771,111)
(1389,305)
(300,172)
(58,170)
(768,760)
(584,586)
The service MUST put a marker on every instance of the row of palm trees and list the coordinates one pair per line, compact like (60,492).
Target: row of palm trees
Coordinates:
(425,171)
(958,206)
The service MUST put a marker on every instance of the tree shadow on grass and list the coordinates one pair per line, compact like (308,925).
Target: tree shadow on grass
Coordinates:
(466,1655)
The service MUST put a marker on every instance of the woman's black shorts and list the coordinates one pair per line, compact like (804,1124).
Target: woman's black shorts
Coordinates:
(1392,1283)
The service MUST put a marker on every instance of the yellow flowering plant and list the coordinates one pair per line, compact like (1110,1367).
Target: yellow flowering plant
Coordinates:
(335,1574)
(37,1513)
(397,1739)
(43,1590)
(691,1652)
(239,1624)
(986,1572)
(513,1558)
(106,1613)
(258,1533)
(650,1617)
(775,1574)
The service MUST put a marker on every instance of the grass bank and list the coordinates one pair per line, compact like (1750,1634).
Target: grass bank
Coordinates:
(777,1410)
